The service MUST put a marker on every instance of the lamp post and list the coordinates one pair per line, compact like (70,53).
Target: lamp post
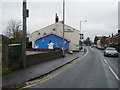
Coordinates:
(84,33)
(63,52)
(81,35)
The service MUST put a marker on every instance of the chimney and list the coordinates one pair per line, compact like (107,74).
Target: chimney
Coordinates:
(112,34)
(56,18)
(118,31)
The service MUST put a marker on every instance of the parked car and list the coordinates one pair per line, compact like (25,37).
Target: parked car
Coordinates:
(92,45)
(70,51)
(101,47)
(57,48)
(111,52)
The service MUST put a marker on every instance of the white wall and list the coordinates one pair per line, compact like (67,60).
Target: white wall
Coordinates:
(72,35)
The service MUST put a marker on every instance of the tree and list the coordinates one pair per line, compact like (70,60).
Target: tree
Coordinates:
(14,31)
(95,40)
(88,41)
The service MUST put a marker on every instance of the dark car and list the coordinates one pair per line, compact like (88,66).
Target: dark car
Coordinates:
(101,47)
(57,48)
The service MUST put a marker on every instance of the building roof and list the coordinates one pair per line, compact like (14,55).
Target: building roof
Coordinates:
(53,35)
(99,37)
(60,22)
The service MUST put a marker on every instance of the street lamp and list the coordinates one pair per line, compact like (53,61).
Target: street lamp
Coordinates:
(81,35)
(63,52)
(84,33)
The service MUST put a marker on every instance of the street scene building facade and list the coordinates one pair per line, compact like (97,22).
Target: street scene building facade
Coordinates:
(71,36)
(110,41)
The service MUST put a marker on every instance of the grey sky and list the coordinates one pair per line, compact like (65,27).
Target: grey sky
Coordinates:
(102,17)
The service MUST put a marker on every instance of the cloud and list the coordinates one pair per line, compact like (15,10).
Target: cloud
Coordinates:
(101,16)
(10,10)
(43,14)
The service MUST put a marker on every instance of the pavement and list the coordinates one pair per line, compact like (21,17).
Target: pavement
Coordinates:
(37,70)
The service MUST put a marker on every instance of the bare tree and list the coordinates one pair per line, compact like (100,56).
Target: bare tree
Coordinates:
(14,31)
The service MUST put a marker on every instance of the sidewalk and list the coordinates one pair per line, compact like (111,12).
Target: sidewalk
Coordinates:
(37,70)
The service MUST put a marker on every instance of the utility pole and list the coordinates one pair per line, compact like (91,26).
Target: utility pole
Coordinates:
(81,35)
(25,15)
(63,26)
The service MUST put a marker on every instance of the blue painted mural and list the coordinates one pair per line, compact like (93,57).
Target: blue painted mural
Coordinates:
(50,42)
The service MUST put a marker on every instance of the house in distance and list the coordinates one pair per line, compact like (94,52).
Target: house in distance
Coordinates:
(48,37)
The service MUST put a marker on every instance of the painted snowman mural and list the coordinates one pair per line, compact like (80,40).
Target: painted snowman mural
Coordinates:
(50,45)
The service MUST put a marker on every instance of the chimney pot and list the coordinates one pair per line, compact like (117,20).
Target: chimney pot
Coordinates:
(56,18)
(118,31)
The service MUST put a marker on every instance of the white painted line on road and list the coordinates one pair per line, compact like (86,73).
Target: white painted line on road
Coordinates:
(102,61)
(102,56)
(111,69)
(114,73)
(105,61)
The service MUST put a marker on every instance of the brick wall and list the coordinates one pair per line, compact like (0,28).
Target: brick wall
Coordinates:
(42,57)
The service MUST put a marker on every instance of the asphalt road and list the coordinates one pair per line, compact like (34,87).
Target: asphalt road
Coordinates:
(91,71)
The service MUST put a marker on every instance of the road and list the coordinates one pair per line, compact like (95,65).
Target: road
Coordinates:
(90,71)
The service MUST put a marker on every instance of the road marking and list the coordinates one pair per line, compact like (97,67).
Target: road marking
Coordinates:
(102,56)
(45,79)
(105,61)
(111,69)
(114,73)
(102,59)
(52,76)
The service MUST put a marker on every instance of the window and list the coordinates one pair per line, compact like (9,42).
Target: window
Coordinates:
(53,29)
(77,45)
(68,29)
(38,33)
(44,33)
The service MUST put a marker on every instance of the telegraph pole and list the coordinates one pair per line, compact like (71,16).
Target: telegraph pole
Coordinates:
(25,15)
(63,26)
(81,35)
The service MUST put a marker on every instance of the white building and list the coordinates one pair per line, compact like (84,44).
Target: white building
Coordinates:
(70,33)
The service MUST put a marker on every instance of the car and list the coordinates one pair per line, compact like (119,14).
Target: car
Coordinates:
(57,48)
(101,47)
(110,51)
(70,51)
(92,46)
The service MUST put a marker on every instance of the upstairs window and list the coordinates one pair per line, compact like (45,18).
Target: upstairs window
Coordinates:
(44,34)
(53,29)
(38,33)
(69,30)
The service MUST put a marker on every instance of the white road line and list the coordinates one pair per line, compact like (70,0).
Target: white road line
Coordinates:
(105,61)
(111,69)
(111,63)
(114,73)
(102,56)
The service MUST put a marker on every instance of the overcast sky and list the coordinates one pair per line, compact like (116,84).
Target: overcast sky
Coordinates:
(101,15)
